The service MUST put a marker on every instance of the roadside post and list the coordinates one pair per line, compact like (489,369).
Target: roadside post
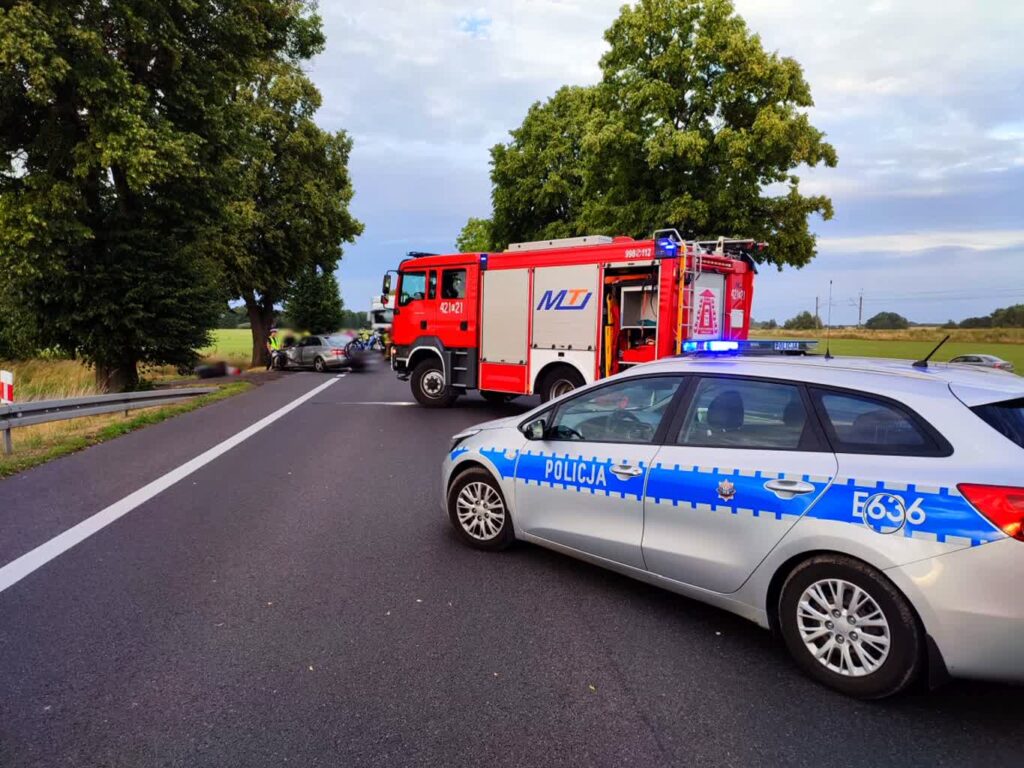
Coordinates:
(7,396)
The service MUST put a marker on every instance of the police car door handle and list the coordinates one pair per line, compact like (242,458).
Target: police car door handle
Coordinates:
(788,489)
(625,471)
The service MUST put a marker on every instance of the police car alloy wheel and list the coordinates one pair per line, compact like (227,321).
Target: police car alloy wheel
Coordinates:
(429,386)
(848,627)
(477,510)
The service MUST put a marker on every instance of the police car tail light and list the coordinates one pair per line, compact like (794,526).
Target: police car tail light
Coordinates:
(1003,505)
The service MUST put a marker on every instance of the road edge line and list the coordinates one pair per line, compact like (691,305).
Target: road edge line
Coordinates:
(33,560)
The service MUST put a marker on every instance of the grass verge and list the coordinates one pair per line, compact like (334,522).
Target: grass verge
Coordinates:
(61,438)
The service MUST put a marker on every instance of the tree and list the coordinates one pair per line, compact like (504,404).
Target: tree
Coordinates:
(291,191)
(887,321)
(693,126)
(111,116)
(475,236)
(805,321)
(539,177)
(314,303)
(1009,317)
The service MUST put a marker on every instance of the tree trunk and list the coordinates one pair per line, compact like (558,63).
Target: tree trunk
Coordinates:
(122,376)
(261,318)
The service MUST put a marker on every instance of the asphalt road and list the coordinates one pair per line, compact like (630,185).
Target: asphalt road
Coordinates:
(300,600)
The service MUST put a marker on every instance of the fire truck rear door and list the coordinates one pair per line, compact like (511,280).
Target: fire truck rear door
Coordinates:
(504,332)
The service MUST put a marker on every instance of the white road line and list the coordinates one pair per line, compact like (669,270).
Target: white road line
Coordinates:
(377,402)
(18,569)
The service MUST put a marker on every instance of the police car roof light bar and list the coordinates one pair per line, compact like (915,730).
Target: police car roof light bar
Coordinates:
(722,347)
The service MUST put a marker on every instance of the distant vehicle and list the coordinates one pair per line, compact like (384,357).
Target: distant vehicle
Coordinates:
(321,353)
(870,512)
(985,361)
(381,314)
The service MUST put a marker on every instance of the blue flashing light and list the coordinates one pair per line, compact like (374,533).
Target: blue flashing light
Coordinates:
(666,248)
(715,345)
(483,261)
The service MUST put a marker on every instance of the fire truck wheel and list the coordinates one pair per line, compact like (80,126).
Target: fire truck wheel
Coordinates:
(429,386)
(559,381)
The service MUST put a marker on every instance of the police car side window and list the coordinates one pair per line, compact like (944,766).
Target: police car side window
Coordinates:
(740,413)
(627,412)
(864,424)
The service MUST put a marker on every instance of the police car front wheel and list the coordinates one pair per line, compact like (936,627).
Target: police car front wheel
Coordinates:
(847,626)
(477,510)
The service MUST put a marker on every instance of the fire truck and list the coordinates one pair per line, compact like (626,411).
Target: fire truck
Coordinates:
(547,317)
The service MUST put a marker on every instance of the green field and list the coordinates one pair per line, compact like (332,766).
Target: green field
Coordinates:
(233,345)
(915,350)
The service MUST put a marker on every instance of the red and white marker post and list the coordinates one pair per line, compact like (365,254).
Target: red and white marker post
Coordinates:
(7,396)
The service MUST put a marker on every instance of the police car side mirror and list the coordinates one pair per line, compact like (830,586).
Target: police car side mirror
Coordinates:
(536,429)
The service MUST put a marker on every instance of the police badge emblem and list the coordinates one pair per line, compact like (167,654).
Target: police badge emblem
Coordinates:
(726,490)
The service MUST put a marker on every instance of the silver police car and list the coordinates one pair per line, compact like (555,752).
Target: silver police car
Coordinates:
(868,511)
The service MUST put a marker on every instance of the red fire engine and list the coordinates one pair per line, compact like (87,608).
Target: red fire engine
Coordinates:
(550,316)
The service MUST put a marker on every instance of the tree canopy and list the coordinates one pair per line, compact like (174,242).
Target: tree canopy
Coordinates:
(475,236)
(142,144)
(314,303)
(887,321)
(803,321)
(288,209)
(693,126)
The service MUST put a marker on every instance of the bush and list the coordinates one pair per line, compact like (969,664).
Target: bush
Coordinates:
(887,321)
(805,321)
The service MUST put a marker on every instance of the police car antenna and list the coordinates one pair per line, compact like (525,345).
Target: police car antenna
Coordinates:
(828,331)
(923,363)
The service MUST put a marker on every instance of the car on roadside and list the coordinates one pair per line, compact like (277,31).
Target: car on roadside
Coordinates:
(985,361)
(867,511)
(322,353)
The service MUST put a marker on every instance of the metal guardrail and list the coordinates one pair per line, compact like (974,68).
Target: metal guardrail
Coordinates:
(40,412)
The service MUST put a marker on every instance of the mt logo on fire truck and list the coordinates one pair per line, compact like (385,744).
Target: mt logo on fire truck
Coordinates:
(567,298)
(547,317)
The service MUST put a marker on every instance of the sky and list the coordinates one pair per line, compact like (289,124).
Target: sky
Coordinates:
(923,101)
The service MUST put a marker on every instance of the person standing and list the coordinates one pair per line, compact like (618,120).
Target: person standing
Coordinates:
(273,347)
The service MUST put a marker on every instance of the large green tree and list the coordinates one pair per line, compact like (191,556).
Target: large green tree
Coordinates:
(289,212)
(314,303)
(693,125)
(112,115)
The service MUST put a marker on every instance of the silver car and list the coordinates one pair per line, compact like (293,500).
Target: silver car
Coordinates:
(868,511)
(985,361)
(321,353)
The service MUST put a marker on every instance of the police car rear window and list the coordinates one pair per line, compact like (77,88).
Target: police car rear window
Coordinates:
(1007,418)
(864,424)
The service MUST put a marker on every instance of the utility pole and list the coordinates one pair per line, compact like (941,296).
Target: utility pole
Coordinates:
(860,309)
(817,317)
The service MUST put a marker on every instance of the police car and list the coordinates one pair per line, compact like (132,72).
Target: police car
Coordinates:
(868,511)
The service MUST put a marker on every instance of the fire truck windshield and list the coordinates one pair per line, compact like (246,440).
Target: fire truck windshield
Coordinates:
(413,287)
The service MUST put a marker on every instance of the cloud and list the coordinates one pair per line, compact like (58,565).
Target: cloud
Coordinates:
(922,100)
(915,242)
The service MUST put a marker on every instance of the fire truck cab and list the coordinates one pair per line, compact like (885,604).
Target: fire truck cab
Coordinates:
(548,317)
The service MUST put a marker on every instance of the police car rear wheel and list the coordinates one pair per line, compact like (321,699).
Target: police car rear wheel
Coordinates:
(847,626)
(476,508)
(559,381)
(429,386)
